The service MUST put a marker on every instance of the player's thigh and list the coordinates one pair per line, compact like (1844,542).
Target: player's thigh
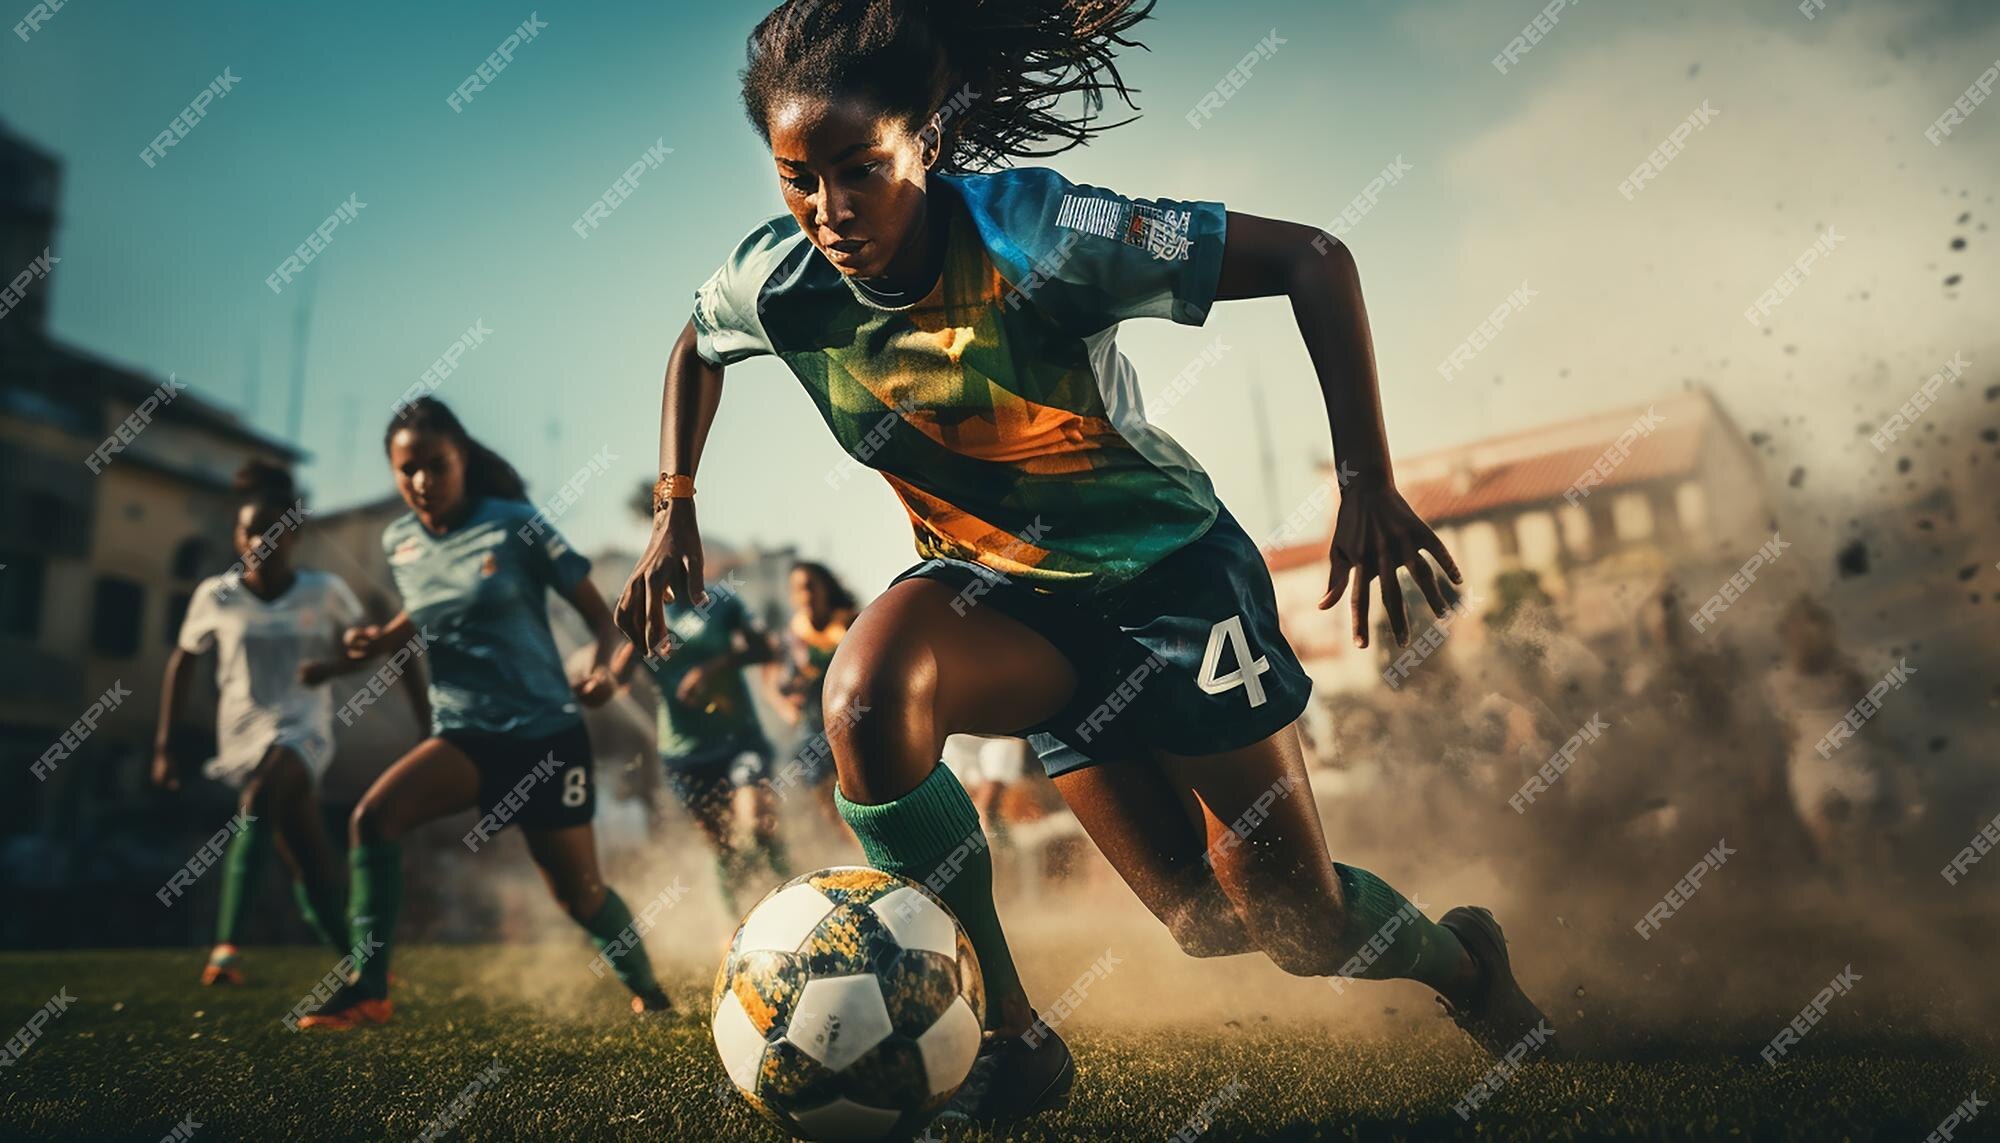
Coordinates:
(1155,836)
(433,780)
(914,669)
(567,857)
(279,778)
(1267,846)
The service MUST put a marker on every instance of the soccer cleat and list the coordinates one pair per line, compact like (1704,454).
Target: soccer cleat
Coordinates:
(1500,1018)
(221,967)
(1012,1079)
(347,1009)
(654,1001)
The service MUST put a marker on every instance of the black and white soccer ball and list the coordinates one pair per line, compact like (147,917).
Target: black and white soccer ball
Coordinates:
(849,1005)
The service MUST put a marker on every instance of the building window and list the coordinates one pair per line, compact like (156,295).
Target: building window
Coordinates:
(1632,517)
(191,558)
(116,606)
(1692,507)
(177,609)
(21,594)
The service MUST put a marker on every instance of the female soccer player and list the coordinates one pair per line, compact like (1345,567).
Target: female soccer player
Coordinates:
(822,610)
(713,748)
(474,563)
(274,631)
(1080,584)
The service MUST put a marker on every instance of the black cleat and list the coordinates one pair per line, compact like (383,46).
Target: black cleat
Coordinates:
(1013,1079)
(1500,1018)
(653,1001)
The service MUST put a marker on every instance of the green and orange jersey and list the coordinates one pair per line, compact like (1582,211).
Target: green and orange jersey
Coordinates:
(998,406)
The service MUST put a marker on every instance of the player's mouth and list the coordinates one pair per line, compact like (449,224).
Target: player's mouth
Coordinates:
(846,247)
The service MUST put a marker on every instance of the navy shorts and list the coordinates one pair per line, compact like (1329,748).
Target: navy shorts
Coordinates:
(698,776)
(537,783)
(1187,658)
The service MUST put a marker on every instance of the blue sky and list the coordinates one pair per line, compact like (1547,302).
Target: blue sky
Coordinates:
(468,218)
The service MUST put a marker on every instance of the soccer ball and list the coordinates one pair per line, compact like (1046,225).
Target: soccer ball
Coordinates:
(849,1006)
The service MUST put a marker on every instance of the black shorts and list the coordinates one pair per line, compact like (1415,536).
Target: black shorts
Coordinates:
(537,783)
(1187,658)
(718,771)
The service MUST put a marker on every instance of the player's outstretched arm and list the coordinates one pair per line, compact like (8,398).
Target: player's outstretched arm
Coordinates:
(173,696)
(1375,533)
(670,569)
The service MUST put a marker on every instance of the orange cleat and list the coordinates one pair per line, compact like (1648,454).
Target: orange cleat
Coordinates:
(652,1002)
(221,968)
(346,1010)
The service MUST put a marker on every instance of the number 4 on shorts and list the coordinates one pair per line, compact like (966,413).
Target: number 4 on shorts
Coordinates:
(1247,669)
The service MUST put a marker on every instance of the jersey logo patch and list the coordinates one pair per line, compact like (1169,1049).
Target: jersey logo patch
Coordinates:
(1162,233)
(489,565)
(407,552)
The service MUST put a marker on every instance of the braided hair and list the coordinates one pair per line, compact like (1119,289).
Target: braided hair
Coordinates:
(993,68)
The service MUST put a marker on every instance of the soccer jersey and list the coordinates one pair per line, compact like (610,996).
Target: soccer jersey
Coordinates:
(998,406)
(721,717)
(479,594)
(259,646)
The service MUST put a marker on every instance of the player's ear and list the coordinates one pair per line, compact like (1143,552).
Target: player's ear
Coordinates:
(930,141)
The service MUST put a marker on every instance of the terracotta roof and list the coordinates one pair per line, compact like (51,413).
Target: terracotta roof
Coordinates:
(1670,450)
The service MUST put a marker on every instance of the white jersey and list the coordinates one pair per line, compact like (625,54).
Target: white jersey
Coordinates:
(259,647)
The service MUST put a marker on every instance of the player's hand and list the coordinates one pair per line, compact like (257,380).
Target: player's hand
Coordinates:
(359,642)
(166,773)
(691,685)
(1375,534)
(670,571)
(313,672)
(595,688)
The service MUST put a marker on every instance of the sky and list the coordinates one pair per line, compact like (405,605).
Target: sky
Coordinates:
(1804,126)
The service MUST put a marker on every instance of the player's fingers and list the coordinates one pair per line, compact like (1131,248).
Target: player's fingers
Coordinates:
(1362,575)
(1420,571)
(656,610)
(1435,547)
(1392,602)
(1337,575)
(696,592)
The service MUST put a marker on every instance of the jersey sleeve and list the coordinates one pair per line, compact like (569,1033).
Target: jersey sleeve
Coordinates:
(552,558)
(1093,257)
(198,625)
(726,322)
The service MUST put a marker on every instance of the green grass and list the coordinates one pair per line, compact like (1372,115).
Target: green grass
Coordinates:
(143,1046)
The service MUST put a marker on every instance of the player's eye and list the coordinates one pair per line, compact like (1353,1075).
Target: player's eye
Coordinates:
(799,183)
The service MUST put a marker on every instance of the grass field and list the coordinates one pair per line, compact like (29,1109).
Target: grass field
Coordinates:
(142,1049)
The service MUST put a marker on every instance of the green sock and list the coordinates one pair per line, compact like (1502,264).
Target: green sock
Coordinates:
(1391,938)
(932,836)
(611,931)
(374,899)
(325,918)
(242,868)
(775,855)
(725,879)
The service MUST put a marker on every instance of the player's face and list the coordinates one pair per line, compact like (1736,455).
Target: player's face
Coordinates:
(262,536)
(807,594)
(430,473)
(855,180)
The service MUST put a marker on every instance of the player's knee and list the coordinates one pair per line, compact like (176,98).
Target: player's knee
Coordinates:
(372,822)
(581,902)
(869,698)
(1202,933)
(1304,942)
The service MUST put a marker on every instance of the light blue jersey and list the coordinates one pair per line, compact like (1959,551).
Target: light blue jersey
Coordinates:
(479,593)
